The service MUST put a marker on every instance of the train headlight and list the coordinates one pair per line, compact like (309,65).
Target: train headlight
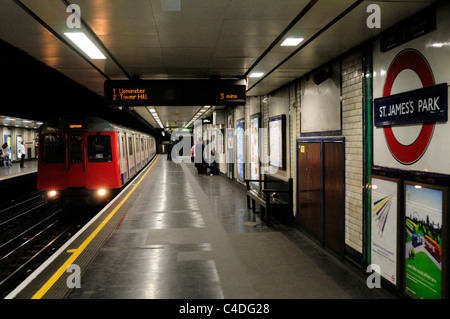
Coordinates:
(101,192)
(52,194)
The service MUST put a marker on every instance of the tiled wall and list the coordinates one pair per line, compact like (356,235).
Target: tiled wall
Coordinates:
(352,129)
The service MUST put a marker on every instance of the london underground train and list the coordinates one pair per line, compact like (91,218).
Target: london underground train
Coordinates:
(86,159)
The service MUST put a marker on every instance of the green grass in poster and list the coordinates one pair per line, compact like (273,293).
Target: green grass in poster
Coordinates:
(423,277)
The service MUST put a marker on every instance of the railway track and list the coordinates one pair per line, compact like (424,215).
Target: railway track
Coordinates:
(30,231)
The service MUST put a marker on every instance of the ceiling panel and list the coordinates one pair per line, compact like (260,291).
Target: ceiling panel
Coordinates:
(206,38)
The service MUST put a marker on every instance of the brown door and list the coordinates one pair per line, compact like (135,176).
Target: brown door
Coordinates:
(320,196)
(334,196)
(309,212)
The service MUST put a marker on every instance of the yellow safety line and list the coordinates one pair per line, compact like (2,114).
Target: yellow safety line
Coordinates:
(76,252)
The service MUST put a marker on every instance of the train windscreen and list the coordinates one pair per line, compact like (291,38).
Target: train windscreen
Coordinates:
(53,149)
(99,148)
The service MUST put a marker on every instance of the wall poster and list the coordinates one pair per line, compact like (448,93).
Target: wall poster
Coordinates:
(424,220)
(19,140)
(240,148)
(8,140)
(277,146)
(384,226)
(230,146)
(254,148)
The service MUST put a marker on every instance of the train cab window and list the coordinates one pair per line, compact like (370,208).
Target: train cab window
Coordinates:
(99,148)
(53,149)
(75,149)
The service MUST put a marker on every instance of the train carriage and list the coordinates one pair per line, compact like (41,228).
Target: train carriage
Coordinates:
(85,158)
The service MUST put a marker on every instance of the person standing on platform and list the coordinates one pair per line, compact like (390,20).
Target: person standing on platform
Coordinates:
(169,151)
(198,157)
(22,154)
(6,155)
(193,153)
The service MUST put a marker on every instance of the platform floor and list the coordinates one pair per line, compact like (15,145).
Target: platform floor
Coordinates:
(184,235)
(30,166)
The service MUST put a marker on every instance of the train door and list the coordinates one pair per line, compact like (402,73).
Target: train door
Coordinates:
(138,153)
(123,157)
(144,157)
(143,150)
(74,159)
(131,161)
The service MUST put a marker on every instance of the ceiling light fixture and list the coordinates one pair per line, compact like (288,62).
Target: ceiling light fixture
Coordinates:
(83,42)
(198,114)
(256,74)
(291,42)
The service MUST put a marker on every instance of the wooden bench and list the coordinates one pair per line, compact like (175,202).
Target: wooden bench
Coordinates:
(274,196)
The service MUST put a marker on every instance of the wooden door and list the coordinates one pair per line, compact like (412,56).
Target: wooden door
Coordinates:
(309,214)
(334,196)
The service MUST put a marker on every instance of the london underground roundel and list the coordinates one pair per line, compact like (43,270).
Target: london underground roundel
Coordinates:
(409,59)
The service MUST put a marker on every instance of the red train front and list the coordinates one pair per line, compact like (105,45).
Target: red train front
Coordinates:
(85,159)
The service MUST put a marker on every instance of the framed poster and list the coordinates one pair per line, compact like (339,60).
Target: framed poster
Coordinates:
(240,148)
(254,149)
(8,140)
(277,141)
(230,147)
(425,240)
(19,140)
(384,227)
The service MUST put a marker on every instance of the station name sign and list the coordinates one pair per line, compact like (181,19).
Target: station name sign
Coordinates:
(426,105)
(174,92)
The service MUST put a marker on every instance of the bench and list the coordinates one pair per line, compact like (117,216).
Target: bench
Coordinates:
(274,196)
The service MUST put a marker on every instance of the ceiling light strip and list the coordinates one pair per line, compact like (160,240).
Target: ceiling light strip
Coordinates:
(155,115)
(85,44)
(100,43)
(49,29)
(339,17)
(197,115)
(282,34)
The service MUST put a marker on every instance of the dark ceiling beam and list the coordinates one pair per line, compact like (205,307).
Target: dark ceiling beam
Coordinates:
(302,13)
(339,17)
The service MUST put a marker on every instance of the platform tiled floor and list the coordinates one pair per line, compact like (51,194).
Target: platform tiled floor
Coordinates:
(15,170)
(186,235)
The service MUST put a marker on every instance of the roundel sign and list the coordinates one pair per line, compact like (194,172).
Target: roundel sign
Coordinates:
(409,59)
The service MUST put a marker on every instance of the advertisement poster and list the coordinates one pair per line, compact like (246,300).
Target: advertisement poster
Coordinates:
(254,148)
(8,140)
(384,227)
(276,141)
(240,146)
(423,241)
(230,140)
(19,140)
